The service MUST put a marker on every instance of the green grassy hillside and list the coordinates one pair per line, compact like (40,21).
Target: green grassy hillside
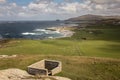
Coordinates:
(94,48)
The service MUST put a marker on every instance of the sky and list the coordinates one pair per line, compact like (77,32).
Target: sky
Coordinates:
(55,9)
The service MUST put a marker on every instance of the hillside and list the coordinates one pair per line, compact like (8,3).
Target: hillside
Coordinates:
(93,17)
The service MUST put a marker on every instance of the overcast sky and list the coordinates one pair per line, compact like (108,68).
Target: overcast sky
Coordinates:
(55,9)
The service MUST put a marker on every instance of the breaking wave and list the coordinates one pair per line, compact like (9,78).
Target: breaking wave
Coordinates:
(28,33)
(39,30)
(38,33)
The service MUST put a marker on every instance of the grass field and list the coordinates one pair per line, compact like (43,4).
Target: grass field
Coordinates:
(96,58)
(94,48)
(74,67)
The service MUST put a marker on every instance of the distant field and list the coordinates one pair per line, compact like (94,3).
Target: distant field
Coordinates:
(90,54)
(94,48)
(97,32)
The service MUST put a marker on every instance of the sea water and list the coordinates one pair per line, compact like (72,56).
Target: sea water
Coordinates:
(30,29)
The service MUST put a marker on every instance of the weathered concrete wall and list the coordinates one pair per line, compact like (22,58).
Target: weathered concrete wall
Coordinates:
(45,67)
(57,69)
(38,65)
(35,71)
(50,65)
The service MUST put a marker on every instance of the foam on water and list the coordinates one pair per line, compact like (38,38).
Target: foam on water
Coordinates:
(28,33)
(41,34)
(50,37)
(57,31)
(46,31)
(7,34)
(39,30)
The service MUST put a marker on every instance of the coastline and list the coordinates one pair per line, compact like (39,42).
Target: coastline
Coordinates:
(46,33)
(66,31)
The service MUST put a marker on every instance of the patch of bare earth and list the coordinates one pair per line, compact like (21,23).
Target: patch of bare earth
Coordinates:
(7,56)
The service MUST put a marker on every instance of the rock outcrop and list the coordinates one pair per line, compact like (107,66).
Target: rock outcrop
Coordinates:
(17,74)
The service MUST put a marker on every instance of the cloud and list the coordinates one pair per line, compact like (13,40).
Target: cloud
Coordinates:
(2,1)
(49,8)
(105,1)
(106,4)
(70,7)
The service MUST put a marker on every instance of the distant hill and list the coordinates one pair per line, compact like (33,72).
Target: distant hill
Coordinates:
(89,17)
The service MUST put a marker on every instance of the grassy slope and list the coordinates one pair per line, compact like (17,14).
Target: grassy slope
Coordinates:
(70,51)
(74,67)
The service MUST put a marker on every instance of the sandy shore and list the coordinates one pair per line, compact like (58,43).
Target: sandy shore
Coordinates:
(65,31)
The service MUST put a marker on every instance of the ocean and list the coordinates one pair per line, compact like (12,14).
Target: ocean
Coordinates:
(29,29)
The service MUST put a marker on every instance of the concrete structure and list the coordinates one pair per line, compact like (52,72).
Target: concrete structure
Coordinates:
(45,67)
